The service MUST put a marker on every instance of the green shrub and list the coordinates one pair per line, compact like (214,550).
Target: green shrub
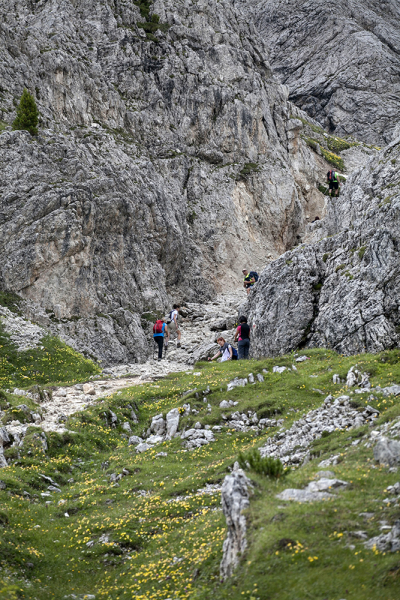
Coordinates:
(247,170)
(268,466)
(340,267)
(152,23)
(27,114)
(313,144)
(333,159)
(314,128)
(338,144)
(11,301)
(325,257)
(361,251)
(324,190)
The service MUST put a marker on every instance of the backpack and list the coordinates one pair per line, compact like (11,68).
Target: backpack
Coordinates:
(254,274)
(234,353)
(158,326)
(332,176)
(244,331)
(170,315)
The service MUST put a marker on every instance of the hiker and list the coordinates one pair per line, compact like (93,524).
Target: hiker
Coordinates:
(160,329)
(242,336)
(173,326)
(227,351)
(334,182)
(249,279)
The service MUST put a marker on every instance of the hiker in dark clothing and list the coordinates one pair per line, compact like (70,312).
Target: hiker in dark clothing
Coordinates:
(242,336)
(160,329)
(249,279)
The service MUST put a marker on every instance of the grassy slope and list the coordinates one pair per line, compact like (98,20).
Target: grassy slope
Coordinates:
(167,544)
(52,362)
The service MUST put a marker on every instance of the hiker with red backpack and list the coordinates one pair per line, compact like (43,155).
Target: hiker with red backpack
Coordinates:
(160,329)
(334,182)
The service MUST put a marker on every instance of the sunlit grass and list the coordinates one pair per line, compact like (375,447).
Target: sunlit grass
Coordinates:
(164,539)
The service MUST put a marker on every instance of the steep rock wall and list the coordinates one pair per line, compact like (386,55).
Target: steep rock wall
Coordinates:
(164,163)
(341,62)
(342,291)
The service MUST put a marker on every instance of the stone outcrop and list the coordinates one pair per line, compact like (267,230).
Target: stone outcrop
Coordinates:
(235,499)
(340,292)
(387,452)
(386,542)
(316,490)
(292,445)
(163,164)
(341,63)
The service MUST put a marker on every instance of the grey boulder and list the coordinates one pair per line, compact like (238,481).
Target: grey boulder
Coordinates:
(387,452)
(172,423)
(316,490)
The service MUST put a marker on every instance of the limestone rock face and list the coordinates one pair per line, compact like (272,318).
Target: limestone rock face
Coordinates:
(340,62)
(162,166)
(341,292)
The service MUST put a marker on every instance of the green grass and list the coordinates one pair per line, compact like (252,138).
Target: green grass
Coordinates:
(314,128)
(337,145)
(168,542)
(247,170)
(11,301)
(52,362)
(152,22)
(333,159)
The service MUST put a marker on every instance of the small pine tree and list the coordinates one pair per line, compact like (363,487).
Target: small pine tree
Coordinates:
(27,114)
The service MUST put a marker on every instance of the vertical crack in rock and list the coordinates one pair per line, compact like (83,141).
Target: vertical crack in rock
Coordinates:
(235,499)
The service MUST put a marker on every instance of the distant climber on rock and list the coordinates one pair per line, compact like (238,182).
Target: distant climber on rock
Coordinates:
(242,336)
(334,182)
(249,279)
(173,325)
(227,350)
(160,329)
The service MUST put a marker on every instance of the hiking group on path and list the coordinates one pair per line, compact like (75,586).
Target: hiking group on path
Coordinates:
(163,328)
(167,327)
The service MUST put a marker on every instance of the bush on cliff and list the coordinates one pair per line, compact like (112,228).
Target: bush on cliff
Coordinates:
(27,114)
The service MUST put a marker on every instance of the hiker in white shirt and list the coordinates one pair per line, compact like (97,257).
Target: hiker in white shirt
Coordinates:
(174,326)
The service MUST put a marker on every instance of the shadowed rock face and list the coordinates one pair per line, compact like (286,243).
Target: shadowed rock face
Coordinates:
(341,62)
(160,170)
(340,292)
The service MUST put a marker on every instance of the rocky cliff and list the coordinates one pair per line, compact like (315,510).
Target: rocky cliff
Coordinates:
(341,62)
(166,160)
(340,292)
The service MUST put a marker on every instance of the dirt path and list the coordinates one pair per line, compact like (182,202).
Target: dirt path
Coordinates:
(200,328)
